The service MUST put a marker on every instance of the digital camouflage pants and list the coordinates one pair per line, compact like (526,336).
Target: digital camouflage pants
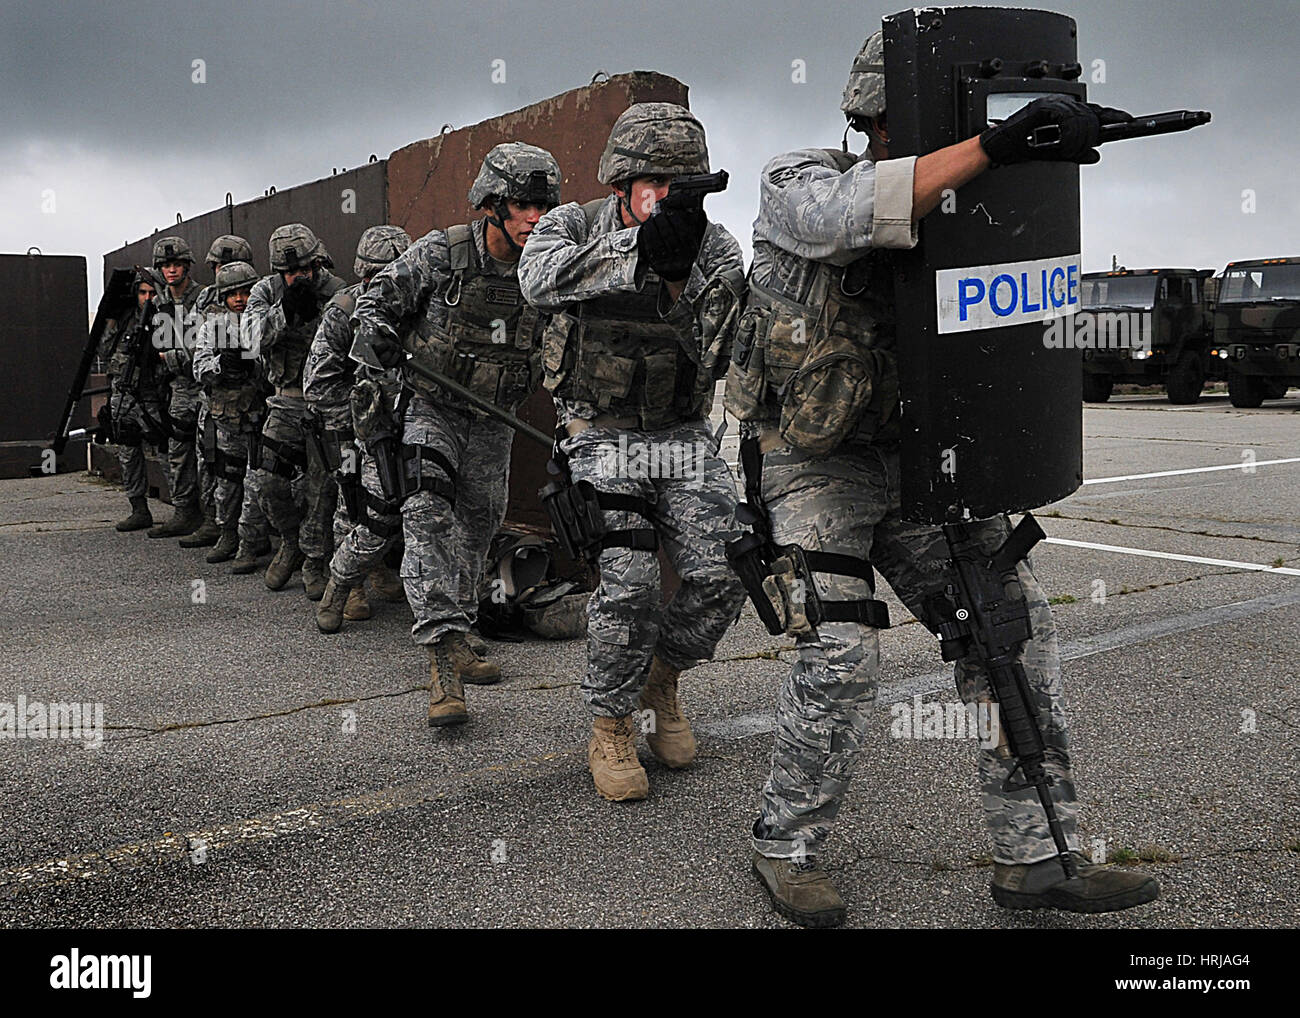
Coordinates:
(848,503)
(678,471)
(357,547)
(303,506)
(129,412)
(182,449)
(446,545)
(234,502)
(207,476)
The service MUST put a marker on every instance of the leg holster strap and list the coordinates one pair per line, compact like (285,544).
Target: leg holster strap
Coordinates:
(381,518)
(230,467)
(282,458)
(638,539)
(426,469)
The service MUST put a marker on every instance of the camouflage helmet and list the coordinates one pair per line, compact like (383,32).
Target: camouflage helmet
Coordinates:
(293,246)
(171,249)
(234,276)
(229,248)
(515,170)
(653,139)
(864,95)
(378,246)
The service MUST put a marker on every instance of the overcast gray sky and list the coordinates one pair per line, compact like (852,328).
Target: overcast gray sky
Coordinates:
(102,112)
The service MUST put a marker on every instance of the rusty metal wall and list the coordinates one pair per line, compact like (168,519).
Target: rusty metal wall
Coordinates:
(428,185)
(338,209)
(43,332)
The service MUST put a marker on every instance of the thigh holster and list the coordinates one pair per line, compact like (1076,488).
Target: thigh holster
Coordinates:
(230,467)
(426,469)
(380,517)
(282,458)
(576,516)
(779,577)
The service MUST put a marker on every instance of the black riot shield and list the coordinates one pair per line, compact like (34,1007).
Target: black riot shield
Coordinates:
(990,399)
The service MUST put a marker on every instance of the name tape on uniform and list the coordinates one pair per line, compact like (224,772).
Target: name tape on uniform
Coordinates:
(994,296)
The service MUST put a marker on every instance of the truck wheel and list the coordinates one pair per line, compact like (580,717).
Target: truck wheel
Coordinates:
(1096,388)
(1186,379)
(1245,391)
(1276,388)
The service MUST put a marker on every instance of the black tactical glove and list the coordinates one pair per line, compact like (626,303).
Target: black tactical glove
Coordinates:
(1055,128)
(670,240)
(390,353)
(233,362)
(300,301)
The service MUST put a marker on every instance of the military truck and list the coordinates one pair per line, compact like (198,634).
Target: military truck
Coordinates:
(1152,327)
(1257,328)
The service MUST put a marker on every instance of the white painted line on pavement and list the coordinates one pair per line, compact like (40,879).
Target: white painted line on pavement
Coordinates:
(1243,467)
(1176,558)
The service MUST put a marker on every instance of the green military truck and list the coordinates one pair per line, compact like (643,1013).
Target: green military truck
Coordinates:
(1152,327)
(1257,328)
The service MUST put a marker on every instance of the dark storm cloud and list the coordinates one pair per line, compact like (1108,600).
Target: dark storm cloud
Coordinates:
(102,109)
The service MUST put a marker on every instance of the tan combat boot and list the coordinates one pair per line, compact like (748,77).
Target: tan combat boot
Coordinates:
(671,740)
(800,891)
(472,668)
(140,516)
(225,548)
(358,607)
(387,584)
(446,691)
(331,612)
(611,755)
(288,560)
(1096,889)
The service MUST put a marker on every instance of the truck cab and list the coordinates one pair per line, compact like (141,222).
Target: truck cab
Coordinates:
(1257,328)
(1166,331)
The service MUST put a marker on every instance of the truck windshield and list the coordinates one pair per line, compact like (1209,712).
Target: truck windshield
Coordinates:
(1119,291)
(1261,282)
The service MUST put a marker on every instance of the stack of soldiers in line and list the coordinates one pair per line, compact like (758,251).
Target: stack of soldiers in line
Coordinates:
(628,319)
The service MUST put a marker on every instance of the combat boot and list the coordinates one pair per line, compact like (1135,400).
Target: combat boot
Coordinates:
(224,550)
(471,668)
(446,691)
(358,608)
(288,559)
(140,516)
(207,535)
(1095,889)
(611,755)
(314,578)
(247,555)
(185,520)
(670,739)
(800,891)
(387,584)
(330,612)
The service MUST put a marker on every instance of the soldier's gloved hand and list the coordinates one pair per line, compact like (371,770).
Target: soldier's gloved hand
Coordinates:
(233,362)
(390,354)
(670,240)
(300,302)
(1055,128)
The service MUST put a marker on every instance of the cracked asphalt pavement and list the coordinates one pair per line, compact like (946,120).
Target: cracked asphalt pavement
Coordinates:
(254,772)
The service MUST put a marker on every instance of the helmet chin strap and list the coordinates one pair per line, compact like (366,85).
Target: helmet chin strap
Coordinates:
(624,201)
(498,221)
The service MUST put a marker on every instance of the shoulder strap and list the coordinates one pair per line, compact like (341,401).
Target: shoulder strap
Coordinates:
(591,210)
(345,299)
(460,241)
(842,160)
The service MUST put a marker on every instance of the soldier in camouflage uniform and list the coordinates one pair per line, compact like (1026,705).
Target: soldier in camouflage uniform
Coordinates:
(224,250)
(172,257)
(646,306)
(135,403)
(284,311)
(471,323)
(231,376)
(360,541)
(827,455)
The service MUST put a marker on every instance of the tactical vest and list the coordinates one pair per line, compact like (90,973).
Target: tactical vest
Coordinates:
(234,400)
(285,360)
(823,369)
(618,354)
(490,339)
